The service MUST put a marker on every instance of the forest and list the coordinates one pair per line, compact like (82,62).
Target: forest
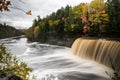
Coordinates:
(95,19)
(8,31)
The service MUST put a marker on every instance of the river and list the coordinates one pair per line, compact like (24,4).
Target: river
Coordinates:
(52,62)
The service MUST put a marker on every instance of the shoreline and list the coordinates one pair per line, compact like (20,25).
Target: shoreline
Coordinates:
(68,42)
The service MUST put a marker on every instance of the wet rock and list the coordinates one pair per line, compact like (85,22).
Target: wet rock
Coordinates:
(4,76)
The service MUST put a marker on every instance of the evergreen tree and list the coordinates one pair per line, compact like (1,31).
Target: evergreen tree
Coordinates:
(113,9)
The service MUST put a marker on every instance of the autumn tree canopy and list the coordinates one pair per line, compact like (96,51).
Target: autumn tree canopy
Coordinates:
(98,18)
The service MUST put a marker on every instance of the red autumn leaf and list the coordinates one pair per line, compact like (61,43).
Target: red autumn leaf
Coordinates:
(0,8)
(5,8)
(8,3)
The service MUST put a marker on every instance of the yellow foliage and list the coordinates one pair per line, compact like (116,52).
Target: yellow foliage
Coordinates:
(50,23)
(11,65)
(80,9)
(97,12)
(53,23)
(72,26)
(77,10)
(84,8)
(56,22)
(97,5)
(105,17)
(41,24)
(36,30)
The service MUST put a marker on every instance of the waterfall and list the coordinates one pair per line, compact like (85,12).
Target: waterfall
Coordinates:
(102,51)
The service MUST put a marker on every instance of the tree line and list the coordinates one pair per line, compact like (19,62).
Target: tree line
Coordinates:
(8,31)
(98,18)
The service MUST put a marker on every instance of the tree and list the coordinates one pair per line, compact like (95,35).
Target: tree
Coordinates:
(98,17)
(113,10)
(36,32)
(9,64)
(77,10)
(8,31)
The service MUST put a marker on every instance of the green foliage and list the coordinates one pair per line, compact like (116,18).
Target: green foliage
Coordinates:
(78,10)
(30,34)
(113,10)
(11,65)
(93,19)
(55,26)
(98,17)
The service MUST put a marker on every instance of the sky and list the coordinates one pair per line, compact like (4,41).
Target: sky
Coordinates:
(17,17)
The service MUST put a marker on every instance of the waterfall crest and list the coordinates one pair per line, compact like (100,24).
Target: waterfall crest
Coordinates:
(98,50)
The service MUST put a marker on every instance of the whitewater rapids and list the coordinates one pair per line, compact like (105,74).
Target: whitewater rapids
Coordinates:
(51,62)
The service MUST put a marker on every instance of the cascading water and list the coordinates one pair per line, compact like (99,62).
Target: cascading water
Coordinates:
(103,51)
(50,62)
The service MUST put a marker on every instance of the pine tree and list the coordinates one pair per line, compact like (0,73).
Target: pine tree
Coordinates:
(113,9)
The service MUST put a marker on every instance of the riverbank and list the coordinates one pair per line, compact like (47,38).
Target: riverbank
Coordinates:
(68,42)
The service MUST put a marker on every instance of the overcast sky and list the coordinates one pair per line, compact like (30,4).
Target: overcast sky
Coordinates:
(18,18)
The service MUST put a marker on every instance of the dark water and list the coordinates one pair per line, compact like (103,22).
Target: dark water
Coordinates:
(50,62)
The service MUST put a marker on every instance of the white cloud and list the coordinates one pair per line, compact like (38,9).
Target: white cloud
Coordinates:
(22,24)
(18,18)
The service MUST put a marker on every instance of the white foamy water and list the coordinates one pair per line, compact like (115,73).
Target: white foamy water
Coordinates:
(50,62)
